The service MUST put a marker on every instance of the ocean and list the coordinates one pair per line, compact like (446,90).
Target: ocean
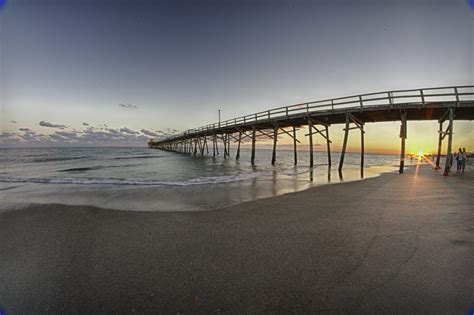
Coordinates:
(144,179)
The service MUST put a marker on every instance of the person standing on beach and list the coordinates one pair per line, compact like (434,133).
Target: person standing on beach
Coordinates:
(464,159)
(459,160)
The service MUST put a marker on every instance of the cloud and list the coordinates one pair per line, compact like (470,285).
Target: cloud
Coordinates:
(13,121)
(127,130)
(149,133)
(85,124)
(67,134)
(90,136)
(128,106)
(114,131)
(50,125)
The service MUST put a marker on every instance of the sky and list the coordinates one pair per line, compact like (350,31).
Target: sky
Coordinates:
(116,72)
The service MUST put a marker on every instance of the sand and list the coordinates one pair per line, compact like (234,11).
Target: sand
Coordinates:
(395,243)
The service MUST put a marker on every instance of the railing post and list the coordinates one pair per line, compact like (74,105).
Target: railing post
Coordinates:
(422,97)
(360,101)
(286,111)
(269,115)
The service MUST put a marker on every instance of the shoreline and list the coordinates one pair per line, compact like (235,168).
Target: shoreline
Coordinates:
(391,243)
(188,198)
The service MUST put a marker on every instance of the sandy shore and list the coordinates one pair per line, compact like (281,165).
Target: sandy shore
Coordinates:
(396,243)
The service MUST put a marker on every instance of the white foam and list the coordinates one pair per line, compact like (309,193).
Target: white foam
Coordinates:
(115,181)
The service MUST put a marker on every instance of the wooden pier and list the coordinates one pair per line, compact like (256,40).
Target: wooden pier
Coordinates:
(440,103)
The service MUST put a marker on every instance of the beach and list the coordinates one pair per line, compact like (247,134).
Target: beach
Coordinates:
(394,243)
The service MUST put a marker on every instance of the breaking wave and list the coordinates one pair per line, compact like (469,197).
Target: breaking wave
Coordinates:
(119,181)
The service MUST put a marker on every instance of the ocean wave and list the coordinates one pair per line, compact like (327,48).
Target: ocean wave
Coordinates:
(137,157)
(81,169)
(128,182)
(59,159)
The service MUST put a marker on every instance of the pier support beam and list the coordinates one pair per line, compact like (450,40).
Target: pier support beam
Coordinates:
(237,156)
(228,144)
(449,155)
(359,124)
(328,145)
(224,140)
(403,136)
(252,158)
(440,142)
(344,143)
(311,160)
(275,138)
(214,145)
(294,146)
(362,153)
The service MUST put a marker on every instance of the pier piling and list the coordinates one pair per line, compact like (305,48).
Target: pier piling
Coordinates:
(403,135)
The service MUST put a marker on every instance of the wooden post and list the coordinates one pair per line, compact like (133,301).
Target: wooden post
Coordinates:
(449,156)
(344,144)
(275,137)
(310,125)
(252,158)
(403,135)
(205,143)
(224,139)
(228,145)
(214,145)
(361,148)
(294,146)
(328,145)
(195,146)
(201,146)
(237,156)
(440,142)
(217,146)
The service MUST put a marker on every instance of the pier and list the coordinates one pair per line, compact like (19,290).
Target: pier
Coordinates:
(444,104)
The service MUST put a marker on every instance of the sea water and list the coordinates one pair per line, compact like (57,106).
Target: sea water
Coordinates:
(155,180)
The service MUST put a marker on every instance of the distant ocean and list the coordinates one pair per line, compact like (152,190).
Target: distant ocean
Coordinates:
(155,180)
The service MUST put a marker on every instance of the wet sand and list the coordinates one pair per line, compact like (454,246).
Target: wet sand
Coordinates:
(395,243)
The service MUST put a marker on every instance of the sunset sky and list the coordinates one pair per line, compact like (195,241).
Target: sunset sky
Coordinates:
(113,72)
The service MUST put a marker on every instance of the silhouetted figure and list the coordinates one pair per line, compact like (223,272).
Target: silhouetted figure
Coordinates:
(464,159)
(459,160)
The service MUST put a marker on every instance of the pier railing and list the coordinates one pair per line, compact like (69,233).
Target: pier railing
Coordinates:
(421,97)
